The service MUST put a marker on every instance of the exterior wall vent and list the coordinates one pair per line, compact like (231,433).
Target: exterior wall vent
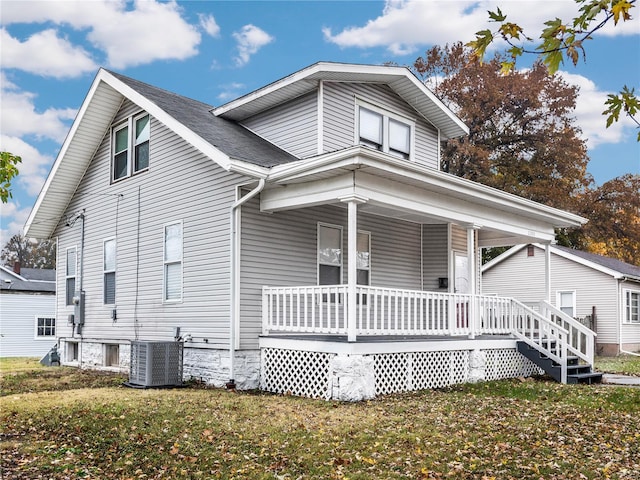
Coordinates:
(155,364)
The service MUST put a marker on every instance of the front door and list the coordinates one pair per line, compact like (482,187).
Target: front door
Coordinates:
(461,273)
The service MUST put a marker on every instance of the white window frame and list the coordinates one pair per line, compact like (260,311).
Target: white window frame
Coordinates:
(573,300)
(386,116)
(318,263)
(105,271)
(368,269)
(626,306)
(129,123)
(67,276)
(45,317)
(166,262)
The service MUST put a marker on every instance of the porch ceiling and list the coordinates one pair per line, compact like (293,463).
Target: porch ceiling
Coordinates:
(394,188)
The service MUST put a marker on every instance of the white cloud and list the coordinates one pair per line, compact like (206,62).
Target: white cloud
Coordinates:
(250,39)
(130,34)
(18,116)
(46,54)
(404,25)
(589,107)
(153,31)
(13,220)
(33,169)
(230,91)
(209,25)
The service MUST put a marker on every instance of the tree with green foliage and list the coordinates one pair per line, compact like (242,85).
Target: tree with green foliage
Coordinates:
(8,170)
(560,41)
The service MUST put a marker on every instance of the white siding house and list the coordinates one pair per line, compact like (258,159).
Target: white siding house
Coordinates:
(27,311)
(602,290)
(298,239)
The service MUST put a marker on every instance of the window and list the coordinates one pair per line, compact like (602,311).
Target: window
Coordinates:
(173,262)
(384,132)
(531,251)
(631,306)
(45,327)
(131,147)
(364,258)
(70,275)
(109,271)
(566,302)
(111,355)
(329,255)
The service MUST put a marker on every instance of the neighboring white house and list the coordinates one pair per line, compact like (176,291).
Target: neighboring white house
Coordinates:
(27,311)
(582,284)
(300,239)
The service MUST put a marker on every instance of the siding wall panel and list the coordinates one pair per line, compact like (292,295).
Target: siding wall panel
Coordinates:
(180,185)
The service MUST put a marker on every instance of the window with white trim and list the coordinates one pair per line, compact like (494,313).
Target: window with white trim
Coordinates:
(364,258)
(566,302)
(384,131)
(631,306)
(70,275)
(173,262)
(109,271)
(45,327)
(130,146)
(329,254)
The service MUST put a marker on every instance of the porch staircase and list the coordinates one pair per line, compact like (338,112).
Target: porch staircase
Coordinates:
(576,372)
(555,342)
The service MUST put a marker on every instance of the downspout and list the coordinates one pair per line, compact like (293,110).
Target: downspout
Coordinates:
(234,303)
(620,349)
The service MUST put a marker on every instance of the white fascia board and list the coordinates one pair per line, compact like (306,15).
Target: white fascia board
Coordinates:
(302,195)
(248,169)
(13,274)
(582,261)
(359,155)
(61,155)
(502,257)
(179,128)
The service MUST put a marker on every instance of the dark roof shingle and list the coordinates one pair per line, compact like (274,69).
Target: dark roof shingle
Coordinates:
(231,138)
(610,263)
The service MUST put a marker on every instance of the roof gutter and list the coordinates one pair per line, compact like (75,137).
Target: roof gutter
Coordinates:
(234,292)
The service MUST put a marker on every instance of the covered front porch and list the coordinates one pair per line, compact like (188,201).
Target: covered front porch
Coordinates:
(355,322)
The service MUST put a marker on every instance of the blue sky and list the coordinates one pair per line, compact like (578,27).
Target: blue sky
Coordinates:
(51,50)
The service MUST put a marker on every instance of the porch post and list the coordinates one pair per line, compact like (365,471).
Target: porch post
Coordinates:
(352,266)
(547,271)
(473,287)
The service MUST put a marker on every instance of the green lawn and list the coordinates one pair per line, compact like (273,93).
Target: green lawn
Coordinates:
(623,364)
(61,423)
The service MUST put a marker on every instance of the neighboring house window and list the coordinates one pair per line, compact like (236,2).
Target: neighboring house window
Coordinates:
(173,262)
(70,275)
(530,250)
(45,327)
(109,272)
(631,306)
(329,254)
(131,147)
(364,258)
(566,302)
(384,132)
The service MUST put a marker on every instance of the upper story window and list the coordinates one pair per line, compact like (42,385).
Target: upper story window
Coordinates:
(384,131)
(131,146)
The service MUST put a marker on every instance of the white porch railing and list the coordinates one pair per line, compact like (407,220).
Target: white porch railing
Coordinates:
(383,311)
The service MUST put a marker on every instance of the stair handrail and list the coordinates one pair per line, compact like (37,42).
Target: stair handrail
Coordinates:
(570,324)
(550,339)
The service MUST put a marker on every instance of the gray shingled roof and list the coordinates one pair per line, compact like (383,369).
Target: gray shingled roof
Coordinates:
(610,263)
(38,280)
(231,138)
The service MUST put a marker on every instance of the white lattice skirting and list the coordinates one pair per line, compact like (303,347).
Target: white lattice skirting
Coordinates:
(349,377)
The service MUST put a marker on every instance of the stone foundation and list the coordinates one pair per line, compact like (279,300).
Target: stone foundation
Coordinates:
(206,365)
(613,350)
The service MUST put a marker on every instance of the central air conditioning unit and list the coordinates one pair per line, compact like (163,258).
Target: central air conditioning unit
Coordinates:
(155,364)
